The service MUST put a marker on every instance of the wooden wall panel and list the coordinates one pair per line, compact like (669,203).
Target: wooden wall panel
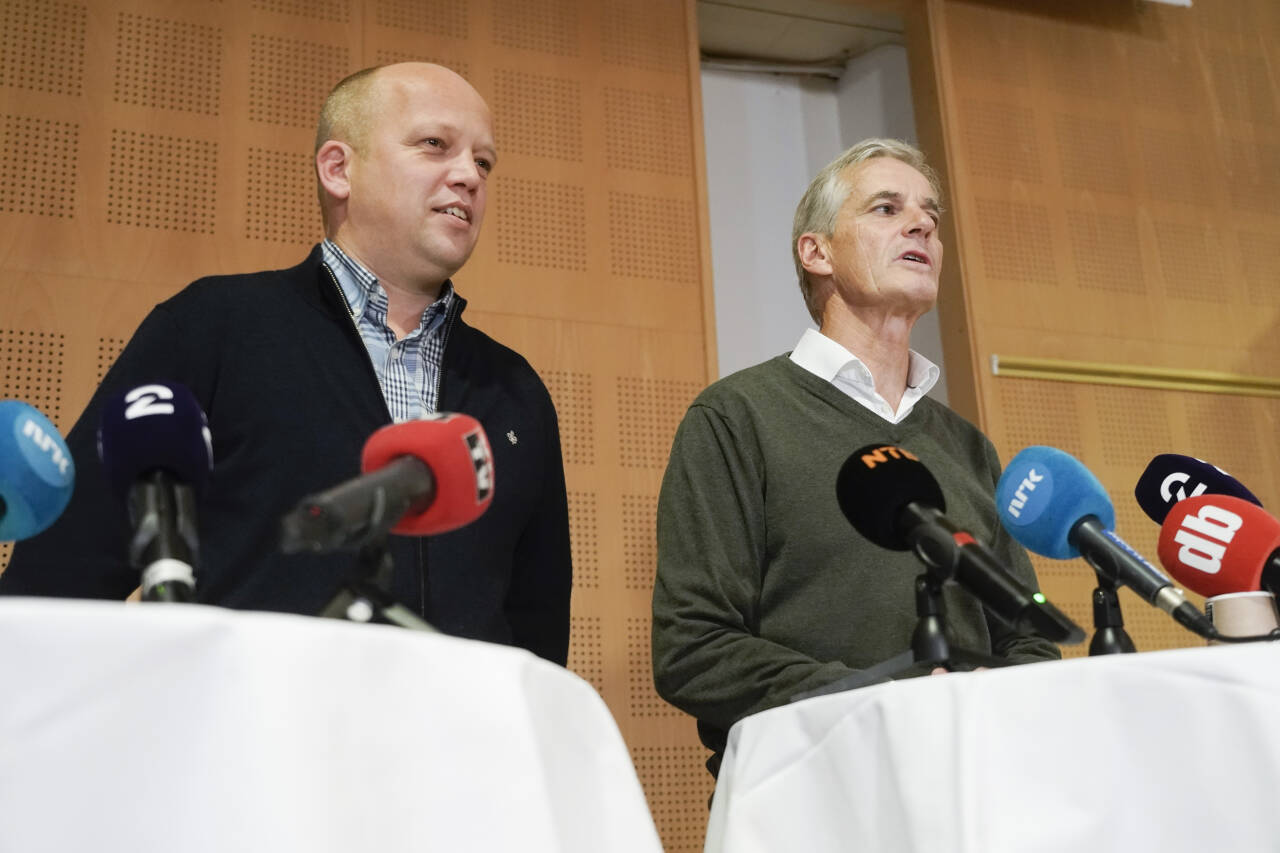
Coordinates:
(1112,173)
(144,143)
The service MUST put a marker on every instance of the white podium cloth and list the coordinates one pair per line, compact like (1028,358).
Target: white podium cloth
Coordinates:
(1168,751)
(155,727)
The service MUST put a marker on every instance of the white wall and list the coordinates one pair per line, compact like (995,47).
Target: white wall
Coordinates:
(767,135)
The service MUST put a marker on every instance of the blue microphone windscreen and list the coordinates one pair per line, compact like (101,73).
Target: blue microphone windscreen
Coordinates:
(156,427)
(1041,495)
(1172,477)
(36,471)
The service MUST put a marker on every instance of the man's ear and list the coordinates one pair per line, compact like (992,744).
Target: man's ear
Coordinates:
(333,163)
(814,254)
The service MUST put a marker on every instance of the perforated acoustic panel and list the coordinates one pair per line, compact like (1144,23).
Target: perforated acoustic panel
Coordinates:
(538,115)
(1252,176)
(540,224)
(166,182)
(571,391)
(1102,247)
(290,78)
(279,204)
(647,36)
(547,26)
(639,542)
(584,539)
(644,699)
(631,119)
(1172,165)
(1187,261)
(442,17)
(651,237)
(1134,424)
(1241,86)
(1091,151)
(673,777)
(42,46)
(32,370)
(38,166)
(1035,412)
(1167,75)
(1224,430)
(169,64)
(1000,141)
(986,50)
(649,410)
(1090,56)
(1028,256)
(1260,264)
(586,651)
(338,11)
(108,351)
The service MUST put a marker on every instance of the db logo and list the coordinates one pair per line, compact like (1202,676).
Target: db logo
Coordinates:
(1204,538)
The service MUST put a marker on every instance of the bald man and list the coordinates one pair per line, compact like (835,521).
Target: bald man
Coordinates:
(296,368)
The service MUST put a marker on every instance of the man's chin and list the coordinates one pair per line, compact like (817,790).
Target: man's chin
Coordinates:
(447,259)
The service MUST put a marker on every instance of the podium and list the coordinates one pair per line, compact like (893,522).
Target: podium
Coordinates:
(150,727)
(1171,751)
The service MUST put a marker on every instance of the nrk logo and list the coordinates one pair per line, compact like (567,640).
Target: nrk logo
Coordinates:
(1030,497)
(50,451)
(881,455)
(1204,538)
(482,458)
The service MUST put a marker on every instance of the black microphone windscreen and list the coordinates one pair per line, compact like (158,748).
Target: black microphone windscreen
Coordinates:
(875,483)
(156,427)
(1172,477)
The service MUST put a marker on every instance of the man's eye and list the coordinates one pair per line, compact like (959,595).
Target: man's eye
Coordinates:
(433,141)
(884,208)
(485,166)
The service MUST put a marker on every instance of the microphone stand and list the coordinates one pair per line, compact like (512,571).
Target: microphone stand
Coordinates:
(367,595)
(1110,637)
(929,645)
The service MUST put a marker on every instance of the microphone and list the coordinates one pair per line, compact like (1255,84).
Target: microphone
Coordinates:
(1056,507)
(1172,477)
(890,497)
(1218,544)
(421,477)
(36,472)
(157,454)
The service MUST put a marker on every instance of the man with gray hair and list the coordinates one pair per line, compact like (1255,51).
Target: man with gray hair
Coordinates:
(295,369)
(764,591)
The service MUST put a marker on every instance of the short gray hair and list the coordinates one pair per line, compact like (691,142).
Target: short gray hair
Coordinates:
(827,193)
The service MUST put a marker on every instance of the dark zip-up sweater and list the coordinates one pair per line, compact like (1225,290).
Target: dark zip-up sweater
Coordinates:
(278,366)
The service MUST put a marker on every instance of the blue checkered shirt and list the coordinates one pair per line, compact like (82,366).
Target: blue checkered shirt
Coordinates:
(408,369)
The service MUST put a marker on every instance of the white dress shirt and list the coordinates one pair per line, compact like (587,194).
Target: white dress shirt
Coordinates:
(831,362)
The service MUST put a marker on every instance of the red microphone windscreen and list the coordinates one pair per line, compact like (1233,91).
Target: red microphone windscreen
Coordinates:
(1216,544)
(456,449)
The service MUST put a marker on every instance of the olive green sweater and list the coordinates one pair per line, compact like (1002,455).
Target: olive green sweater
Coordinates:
(764,590)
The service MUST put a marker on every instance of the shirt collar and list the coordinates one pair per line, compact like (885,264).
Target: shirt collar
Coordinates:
(361,289)
(827,359)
